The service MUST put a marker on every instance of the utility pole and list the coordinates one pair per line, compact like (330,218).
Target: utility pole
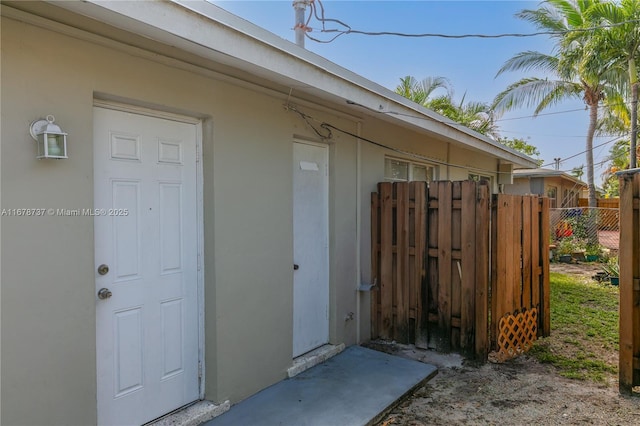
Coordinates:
(300,6)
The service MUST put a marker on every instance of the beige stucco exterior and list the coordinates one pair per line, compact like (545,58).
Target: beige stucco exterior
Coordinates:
(48,295)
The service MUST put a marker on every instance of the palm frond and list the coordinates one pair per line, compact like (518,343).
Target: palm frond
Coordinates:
(605,13)
(561,91)
(531,91)
(571,11)
(530,60)
(543,18)
(430,84)
(616,108)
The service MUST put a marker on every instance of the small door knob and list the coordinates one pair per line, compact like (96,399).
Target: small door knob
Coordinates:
(296,267)
(103,269)
(104,293)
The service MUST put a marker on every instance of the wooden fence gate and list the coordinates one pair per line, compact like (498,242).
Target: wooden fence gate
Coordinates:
(519,272)
(432,259)
(629,258)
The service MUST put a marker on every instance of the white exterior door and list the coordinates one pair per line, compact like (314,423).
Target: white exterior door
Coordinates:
(146,234)
(310,247)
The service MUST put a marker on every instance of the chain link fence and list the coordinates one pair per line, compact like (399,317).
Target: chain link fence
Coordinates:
(584,234)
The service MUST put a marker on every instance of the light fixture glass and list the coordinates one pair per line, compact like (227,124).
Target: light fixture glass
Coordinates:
(52,141)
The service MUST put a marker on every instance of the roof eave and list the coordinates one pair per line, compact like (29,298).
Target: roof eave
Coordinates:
(207,30)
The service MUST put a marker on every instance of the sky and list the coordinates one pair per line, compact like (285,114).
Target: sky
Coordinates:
(469,64)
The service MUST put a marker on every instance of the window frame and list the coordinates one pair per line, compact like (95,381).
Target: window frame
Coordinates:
(410,164)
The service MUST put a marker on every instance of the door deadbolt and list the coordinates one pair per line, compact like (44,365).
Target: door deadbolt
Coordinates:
(103,269)
(296,267)
(104,293)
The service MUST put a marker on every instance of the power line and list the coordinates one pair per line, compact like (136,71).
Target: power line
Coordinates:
(600,105)
(539,115)
(349,30)
(548,136)
(582,152)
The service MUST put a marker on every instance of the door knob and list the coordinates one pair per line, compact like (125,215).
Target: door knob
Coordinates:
(104,293)
(296,267)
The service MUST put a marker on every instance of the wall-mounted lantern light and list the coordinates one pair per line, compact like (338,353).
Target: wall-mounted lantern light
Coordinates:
(52,141)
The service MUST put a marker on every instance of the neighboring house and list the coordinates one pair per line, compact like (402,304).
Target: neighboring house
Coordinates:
(562,189)
(216,156)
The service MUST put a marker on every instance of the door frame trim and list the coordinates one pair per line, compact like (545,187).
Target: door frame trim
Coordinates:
(197,122)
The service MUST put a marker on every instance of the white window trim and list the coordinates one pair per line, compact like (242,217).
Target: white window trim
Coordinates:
(410,163)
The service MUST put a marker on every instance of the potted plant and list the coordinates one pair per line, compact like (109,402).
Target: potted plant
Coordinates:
(565,248)
(612,268)
(593,252)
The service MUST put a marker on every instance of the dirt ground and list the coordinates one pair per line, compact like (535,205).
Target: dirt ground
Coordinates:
(518,392)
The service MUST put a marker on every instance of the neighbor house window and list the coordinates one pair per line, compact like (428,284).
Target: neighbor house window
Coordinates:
(404,171)
(552,193)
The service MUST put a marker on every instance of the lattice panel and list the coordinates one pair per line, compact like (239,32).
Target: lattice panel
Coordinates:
(517,332)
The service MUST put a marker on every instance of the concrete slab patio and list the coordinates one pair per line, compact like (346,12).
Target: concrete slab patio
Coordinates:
(356,387)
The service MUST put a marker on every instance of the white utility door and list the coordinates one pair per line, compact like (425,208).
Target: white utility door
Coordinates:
(146,250)
(310,247)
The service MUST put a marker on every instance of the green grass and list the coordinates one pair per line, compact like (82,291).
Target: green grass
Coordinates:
(584,329)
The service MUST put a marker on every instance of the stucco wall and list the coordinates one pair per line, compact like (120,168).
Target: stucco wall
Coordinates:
(519,186)
(48,326)
(48,303)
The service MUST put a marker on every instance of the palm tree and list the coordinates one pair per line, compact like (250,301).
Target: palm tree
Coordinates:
(623,42)
(578,171)
(420,91)
(477,116)
(578,68)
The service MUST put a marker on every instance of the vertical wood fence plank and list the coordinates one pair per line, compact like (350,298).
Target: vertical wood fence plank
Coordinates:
(375,256)
(510,240)
(386,259)
(543,247)
(503,291)
(430,300)
(626,284)
(420,289)
(456,264)
(536,270)
(444,265)
(468,266)
(481,275)
(400,331)
(495,287)
(411,272)
(516,253)
(527,246)
(635,279)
